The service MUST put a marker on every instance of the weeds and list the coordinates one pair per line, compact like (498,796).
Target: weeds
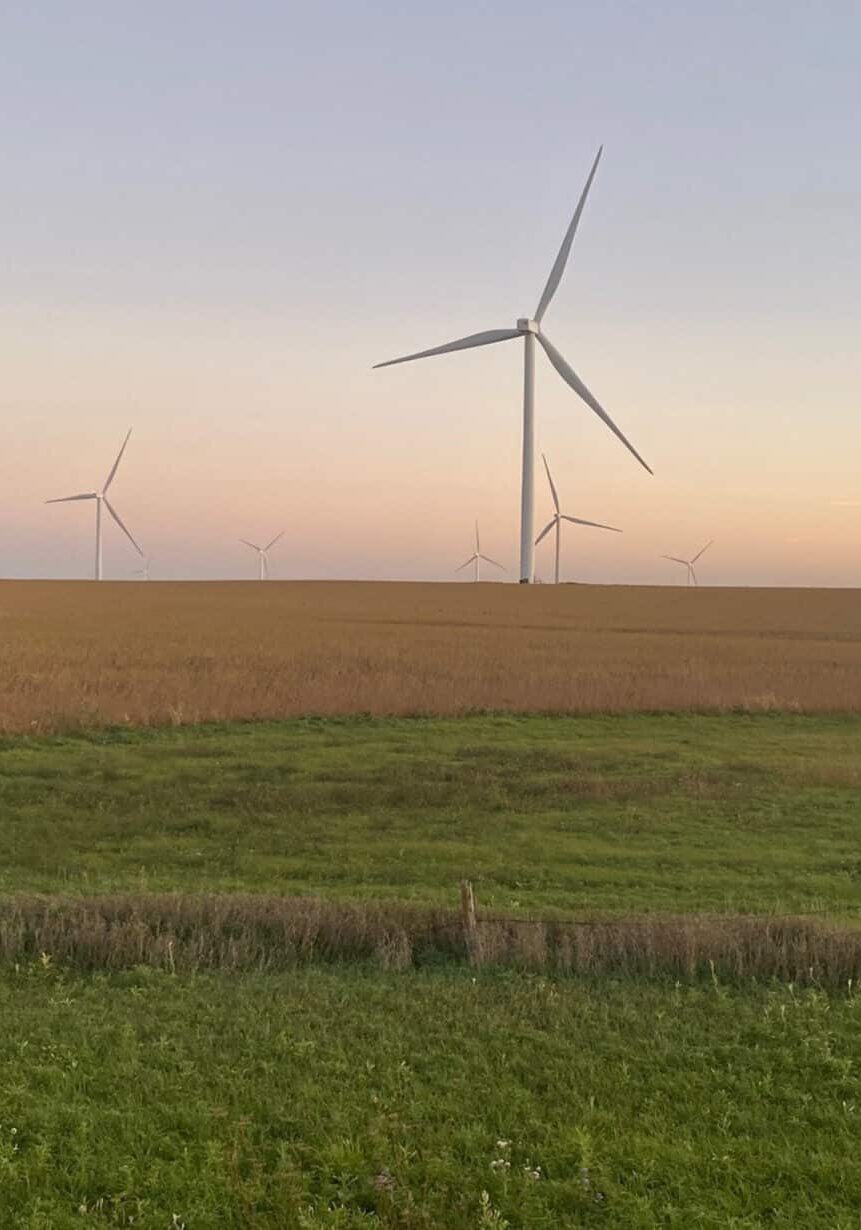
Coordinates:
(237,933)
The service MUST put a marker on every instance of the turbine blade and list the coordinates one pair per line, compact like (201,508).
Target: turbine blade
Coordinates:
(252,545)
(597,525)
(676,560)
(477,543)
(463,343)
(550,481)
(89,495)
(274,540)
(488,560)
(110,477)
(109,506)
(548,527)
(699,553)
(562,259)
(471,560)
(571,378)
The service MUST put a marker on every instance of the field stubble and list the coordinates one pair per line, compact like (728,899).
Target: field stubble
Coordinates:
(78,654)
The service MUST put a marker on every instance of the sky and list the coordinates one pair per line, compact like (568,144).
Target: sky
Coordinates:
(216,217)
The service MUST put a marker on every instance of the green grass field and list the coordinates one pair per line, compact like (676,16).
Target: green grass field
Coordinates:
(346,1096)
(546,815)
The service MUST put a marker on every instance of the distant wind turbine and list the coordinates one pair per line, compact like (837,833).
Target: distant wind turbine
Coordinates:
(558,517)
(263,555)
(477,557)
(530,330)
(689,563)
(101,497)
(143,573)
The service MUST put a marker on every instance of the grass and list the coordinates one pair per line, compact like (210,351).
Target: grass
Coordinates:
(78,654)
(346,1099)
(546,816)
(181,1063)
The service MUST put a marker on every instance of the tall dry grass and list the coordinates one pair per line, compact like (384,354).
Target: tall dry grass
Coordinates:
(75,653)
(185,934)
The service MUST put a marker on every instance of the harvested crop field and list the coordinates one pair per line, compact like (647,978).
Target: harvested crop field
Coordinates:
(77,653)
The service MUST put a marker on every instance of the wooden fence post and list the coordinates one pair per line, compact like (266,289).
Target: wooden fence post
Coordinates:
(470,929)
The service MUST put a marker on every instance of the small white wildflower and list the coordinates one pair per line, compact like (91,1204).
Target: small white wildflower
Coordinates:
(503,1144)
(500,1163)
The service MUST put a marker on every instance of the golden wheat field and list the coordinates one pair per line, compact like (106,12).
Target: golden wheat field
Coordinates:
(75,653)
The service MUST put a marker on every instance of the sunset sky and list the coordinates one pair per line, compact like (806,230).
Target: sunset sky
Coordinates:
(217,216)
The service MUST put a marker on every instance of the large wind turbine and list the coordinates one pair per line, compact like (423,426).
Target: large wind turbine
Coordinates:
(689,563)
(101,497)
(529,328)
(262,555)
(558,517)
(477,557)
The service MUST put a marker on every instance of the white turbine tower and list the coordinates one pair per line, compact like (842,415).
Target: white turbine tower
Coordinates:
(689,563)
(477,557)
(558,517)
(530,330)
(101,497)
(263,555)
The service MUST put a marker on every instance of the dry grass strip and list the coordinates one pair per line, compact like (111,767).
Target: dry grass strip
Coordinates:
(189,933)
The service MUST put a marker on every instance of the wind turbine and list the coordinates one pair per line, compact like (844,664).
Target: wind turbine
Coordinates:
(529,328)
(558,517)
(262,555)
(101,497)
(477,557)
(689,563)
(143,573)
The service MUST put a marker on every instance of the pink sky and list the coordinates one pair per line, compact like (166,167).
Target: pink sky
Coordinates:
(217,258)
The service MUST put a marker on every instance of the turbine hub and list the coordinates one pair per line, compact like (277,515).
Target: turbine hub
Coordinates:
(527,326)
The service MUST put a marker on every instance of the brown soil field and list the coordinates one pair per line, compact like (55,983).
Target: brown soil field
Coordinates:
(80,653)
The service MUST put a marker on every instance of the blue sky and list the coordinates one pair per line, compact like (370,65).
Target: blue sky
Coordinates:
(217,217)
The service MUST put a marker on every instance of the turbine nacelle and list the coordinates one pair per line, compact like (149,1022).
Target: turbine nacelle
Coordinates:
(525,325)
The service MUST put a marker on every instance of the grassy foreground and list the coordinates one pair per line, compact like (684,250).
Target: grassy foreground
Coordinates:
(546,815)
(349,1095)
(345,1098)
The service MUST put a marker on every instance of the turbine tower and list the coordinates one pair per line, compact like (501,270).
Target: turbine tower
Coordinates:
(262,555)
(101,497)
(477,557)
(529,328)
(558,517)
(689,563)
